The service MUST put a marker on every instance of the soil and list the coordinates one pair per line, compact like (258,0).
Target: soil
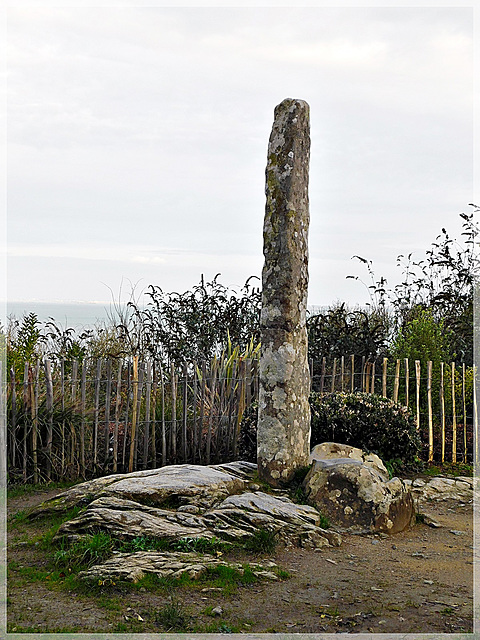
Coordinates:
(417,581)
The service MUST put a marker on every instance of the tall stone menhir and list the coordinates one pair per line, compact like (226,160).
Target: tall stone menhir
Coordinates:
(283,432)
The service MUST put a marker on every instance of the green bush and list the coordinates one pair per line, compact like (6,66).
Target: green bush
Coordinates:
(372,423)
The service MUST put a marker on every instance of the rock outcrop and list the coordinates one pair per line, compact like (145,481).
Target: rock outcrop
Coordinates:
(355,493)
(438,488)
(132,567)
(187,501)
(173,485)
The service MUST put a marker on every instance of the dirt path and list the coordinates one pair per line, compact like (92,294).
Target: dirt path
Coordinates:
(420,580)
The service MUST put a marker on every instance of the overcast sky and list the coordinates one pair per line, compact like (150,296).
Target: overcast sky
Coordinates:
(137,142)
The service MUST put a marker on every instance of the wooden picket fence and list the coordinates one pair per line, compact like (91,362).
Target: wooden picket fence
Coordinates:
(77,420)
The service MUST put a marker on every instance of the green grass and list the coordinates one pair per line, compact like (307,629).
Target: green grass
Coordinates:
(261,542)
(173,617)
(449,468)
(89,550)
(17,490)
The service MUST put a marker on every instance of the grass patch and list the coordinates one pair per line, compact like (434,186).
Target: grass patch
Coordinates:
(18,490)
(172,617)
(262,541)
(449,469)
(89,550)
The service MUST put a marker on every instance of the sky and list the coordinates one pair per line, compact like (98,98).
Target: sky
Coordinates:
(137,142)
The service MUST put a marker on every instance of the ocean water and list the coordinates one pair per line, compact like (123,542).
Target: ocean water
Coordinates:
(77,315)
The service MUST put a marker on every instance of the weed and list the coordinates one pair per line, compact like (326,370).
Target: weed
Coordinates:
(201,545)
(262,541)
(85,552)
(324,522)
(172,617)
(419,518)
(281,573)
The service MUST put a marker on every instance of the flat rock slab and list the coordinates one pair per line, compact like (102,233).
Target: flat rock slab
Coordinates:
(235,519)
(132,567)
(126,519)
(440,488)
(295,524)
(200,485)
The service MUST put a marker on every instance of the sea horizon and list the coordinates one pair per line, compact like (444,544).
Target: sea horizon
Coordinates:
(68,314)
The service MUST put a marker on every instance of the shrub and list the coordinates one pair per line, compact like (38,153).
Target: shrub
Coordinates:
(363,420)
(372,423)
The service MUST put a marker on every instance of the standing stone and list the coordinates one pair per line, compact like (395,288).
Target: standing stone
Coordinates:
(283,432)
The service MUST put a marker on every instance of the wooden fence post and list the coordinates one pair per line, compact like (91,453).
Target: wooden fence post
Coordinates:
(213,383)
(352,368)
(384,378)
(396,383)
(73,399)
(333,374)
(406,381)
(342,372)
(417,389)
(173,427)
(118,399)
(96,412)
(164,434)
(442,411)
(83,393)
(430,416)
(454,418)
(134,414)
(148,393)
(106,430)
(34,398)
(322,377)
(184,413)
(464,416)
(475,417)
(49,407)
(25,425)
(13,400)
(62,429)
(372,388)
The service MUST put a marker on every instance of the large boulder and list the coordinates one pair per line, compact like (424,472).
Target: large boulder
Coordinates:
(171,486)
(334,450)
(355,493)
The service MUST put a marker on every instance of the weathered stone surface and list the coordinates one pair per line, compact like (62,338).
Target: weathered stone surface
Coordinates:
(132,567)
(439,488)
(248,512)
(283,442)
(356,498)
(183,484)
(126,519)
(334,450)
(235,519)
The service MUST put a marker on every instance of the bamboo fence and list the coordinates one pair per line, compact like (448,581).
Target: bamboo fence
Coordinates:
(85,419)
